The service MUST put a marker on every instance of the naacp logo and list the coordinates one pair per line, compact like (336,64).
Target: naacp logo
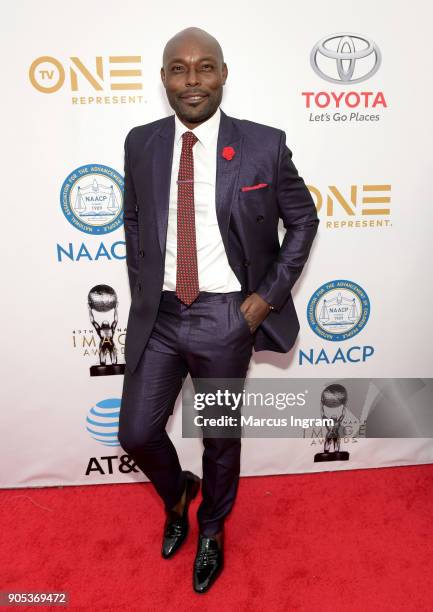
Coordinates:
(92,199)
(345,58)
(338,310)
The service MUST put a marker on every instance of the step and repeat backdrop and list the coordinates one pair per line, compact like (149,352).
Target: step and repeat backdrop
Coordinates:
(351,86)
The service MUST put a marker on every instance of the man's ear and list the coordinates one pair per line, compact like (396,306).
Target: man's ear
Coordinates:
(225,73)
(163,76)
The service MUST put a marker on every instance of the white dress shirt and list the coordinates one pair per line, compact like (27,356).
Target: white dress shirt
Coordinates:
(214,271)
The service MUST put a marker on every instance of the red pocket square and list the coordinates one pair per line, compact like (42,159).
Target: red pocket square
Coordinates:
(251,187)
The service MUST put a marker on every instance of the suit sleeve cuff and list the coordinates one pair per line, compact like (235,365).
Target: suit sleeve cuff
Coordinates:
(268,299)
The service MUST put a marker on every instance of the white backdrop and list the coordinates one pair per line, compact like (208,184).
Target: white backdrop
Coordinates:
(50,129)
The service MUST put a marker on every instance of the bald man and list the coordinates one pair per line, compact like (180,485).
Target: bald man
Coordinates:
(209,280)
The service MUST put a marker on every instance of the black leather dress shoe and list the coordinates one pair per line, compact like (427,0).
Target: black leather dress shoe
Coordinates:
(208,563)
(176,525)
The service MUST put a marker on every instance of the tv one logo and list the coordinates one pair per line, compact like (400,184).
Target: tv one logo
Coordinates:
(100,76)
(355,206)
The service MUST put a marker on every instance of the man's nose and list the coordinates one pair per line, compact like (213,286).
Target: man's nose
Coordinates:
(192,77)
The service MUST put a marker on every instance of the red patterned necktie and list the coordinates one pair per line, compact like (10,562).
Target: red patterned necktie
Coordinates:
(187,288)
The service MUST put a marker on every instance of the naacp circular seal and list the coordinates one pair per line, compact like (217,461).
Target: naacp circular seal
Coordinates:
(338,310)
(91,199)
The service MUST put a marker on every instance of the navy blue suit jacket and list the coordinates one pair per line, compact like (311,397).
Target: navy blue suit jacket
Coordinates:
(248,221)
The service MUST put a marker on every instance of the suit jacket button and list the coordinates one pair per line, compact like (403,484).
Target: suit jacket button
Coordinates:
(136,208)
(260,218)
(247,262)
(139,287)
(141,253)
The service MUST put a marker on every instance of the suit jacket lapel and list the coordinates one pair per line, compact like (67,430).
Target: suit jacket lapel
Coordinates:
(161,171)
(227,173)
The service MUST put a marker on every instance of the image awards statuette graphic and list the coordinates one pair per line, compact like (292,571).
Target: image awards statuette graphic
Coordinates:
(333,407)
(102,299)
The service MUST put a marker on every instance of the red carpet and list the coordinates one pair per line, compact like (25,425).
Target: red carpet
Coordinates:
(353,540)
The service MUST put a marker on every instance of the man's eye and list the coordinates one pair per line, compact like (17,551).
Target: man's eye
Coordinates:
(207,66)
(177,68)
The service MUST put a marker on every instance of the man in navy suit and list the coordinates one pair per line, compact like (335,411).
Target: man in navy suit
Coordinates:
(209,280)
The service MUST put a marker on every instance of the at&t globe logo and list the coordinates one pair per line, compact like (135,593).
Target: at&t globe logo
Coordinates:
(338,310)
(102,421)
(91,199)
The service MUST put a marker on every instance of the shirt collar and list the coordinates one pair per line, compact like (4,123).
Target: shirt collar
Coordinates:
(205,132)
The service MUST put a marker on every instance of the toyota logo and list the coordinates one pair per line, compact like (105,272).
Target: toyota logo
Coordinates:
(345,58)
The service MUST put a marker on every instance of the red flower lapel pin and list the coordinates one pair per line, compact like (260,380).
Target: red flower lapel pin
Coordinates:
(228,153)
